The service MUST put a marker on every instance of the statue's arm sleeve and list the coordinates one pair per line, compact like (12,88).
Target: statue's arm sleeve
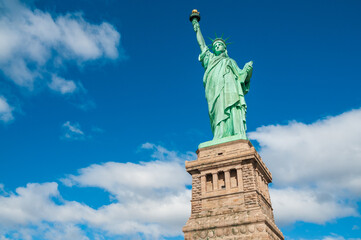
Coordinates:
(244,77)
(248,74)
(204,57)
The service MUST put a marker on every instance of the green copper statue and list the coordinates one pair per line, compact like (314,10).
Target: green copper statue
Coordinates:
(225,86)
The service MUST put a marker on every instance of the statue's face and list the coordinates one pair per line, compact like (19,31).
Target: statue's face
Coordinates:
(218,48)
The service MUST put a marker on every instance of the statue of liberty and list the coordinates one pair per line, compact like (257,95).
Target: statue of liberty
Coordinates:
(225,86)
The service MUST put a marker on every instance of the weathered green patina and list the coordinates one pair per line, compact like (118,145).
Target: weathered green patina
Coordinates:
(225,86)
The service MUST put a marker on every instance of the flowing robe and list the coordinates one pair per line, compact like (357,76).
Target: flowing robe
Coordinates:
(225,86)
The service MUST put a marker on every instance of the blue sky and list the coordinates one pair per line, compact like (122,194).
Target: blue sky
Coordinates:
(101,102)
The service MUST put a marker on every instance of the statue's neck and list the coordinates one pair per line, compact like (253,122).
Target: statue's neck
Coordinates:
(223,54)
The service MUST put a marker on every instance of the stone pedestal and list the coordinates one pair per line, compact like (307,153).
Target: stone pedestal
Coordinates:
(230,197)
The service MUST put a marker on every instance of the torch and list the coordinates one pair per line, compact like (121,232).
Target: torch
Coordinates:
(195,16)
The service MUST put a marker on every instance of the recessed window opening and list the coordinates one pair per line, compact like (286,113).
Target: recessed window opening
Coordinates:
(221,181)
(209,182)
(234,179)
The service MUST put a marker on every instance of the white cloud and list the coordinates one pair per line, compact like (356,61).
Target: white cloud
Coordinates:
(147,145)
(31,210)
(97,129)
(151,198)
(122,178)
(34,203)
(337,237)
(61,85)
(72,131)
(64,231)
(316,163)
(333,238)
(291,205)
(163,154)
(35,43)
(6,110)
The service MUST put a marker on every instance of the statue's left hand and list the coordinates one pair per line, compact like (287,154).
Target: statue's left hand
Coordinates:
(249,66)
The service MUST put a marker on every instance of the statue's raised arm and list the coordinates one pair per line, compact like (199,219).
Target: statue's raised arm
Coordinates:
(225,86)
(195,18)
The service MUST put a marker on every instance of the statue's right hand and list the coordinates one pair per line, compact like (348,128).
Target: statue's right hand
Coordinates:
(195,25)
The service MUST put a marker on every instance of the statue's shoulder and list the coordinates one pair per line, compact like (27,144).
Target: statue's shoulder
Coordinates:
(232,60)
(234,63)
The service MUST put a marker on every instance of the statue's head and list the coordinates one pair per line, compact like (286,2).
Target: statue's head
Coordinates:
(219,46)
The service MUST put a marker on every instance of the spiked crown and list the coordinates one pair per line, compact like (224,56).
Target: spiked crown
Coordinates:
(219,39)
